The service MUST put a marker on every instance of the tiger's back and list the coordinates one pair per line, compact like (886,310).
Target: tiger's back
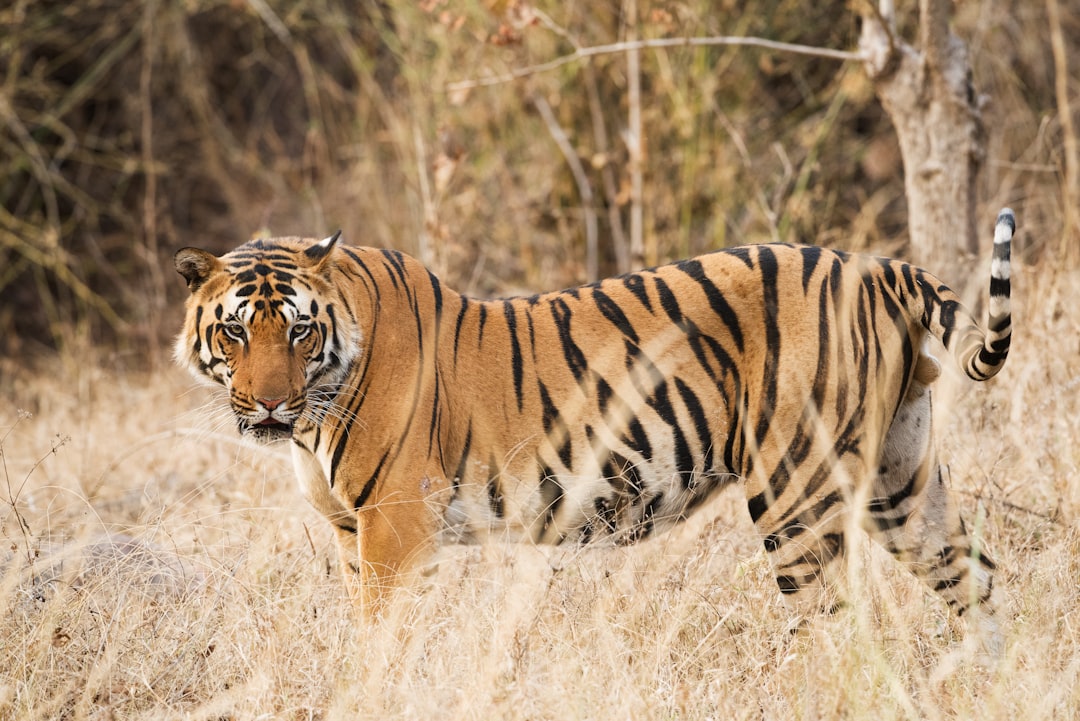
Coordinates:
(613,410)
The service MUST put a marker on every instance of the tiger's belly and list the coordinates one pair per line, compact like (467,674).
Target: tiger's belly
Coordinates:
(621,507)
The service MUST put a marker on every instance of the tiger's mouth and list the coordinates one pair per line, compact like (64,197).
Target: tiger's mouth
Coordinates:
(267,430)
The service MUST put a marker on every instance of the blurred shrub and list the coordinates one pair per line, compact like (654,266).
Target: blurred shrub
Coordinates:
(129,128)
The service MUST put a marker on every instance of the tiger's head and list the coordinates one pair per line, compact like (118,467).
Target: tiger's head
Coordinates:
(267,322)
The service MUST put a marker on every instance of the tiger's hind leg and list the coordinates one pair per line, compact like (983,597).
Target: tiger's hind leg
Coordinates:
(912,514)
(802,516)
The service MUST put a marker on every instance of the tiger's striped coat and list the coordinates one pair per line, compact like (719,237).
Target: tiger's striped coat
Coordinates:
(610,411)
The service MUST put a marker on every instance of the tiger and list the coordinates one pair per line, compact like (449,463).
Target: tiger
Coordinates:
(608,412)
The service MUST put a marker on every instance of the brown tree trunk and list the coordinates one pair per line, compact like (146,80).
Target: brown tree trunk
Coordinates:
(927,93)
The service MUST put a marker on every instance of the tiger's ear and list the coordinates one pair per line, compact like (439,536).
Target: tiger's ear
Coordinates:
(321,250)
(196,266)
(320,254)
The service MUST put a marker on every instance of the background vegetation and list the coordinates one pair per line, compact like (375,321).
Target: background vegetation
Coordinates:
(157,568)
(129,129)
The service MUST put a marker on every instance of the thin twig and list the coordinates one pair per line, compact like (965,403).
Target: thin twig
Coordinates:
(13,494)
(653,43)
(634,145)
(272,20)
(1070,189)
(1051,517)
(580,177)
(426,199)
(611,189)
(151,257)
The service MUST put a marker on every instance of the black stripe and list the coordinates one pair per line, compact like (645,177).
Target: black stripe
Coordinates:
(947,315)
(611,310)
(459,474)
(701,423)
(789,585)
(334,325)
(822,382)
(494,490)
(744,253)
(457,326)
(725,363)
(638,440)
(826,548)
(198,322)
(436,290)
(575,359)
(532,331)
(635,283)
(770,300)
(566,451)
(717,302)
(668,301)
(735,429)
(551,493)
(684,459)
(482,323)
(1000,287)
(550,415)
(811,256)
(999,324)
(990,358)
(436,407)
(370,485)
(910,287)
(396,259)
(339,450)
(516,360)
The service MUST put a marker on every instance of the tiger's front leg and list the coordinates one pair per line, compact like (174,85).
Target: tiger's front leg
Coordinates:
(379,542)
(396,535)
(349,562)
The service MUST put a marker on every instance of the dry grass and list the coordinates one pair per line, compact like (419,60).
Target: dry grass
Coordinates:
(154,567)
(158,568)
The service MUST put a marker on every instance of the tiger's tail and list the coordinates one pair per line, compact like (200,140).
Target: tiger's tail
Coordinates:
(980,353)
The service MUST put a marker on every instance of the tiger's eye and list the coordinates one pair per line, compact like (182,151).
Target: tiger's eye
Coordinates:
(235,331)
(300,331)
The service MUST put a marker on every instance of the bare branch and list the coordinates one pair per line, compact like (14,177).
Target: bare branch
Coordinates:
(653,43)
(635,143)
(886,13)
(580,178)
(934,31)
(611,189)
(877,44)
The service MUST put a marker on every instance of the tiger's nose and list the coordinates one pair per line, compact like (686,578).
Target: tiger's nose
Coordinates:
(271,403)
